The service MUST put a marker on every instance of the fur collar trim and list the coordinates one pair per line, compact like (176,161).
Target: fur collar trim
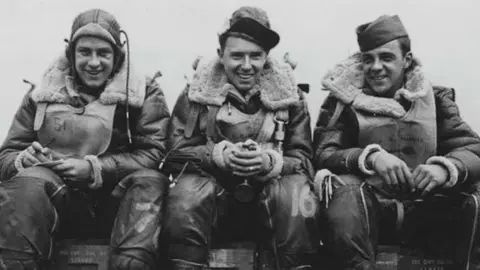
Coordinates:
(346,83)
(276,84)
(57,79)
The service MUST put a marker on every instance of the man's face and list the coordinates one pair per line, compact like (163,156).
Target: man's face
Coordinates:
(94,60)
(243,62)
(384,68)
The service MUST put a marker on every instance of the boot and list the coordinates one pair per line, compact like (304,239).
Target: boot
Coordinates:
(11,260)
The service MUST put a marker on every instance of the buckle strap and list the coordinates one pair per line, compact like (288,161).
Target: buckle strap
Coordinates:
(39,116)
(400,215)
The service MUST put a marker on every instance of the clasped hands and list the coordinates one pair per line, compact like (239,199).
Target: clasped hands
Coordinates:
(398,176)
(247,159)
(72,170)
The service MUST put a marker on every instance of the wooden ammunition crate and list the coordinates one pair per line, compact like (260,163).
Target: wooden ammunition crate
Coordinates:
(73,254)
(93,255)
(395,258)
(240,256)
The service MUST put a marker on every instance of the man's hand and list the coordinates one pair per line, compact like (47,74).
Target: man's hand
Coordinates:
(251,162)
(393,170)
(34,154)
(229,153)
(427,177)
(247,159)
(75,171)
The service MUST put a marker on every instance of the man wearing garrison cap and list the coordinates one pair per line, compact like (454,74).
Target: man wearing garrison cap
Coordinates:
(240,139)
(398,162)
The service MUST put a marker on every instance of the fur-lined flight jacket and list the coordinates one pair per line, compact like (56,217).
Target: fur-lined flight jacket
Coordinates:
(149,116)
(209,89)
(336,146)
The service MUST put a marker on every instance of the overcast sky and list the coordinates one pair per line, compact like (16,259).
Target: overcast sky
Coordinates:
(168,35)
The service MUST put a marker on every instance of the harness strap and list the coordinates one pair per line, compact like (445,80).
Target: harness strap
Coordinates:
(281,120)
(211,121)
(192,120)
(336,114)
(39,116)
(282,115)
(400,215)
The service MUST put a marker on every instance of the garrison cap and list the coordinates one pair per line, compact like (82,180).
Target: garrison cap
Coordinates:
(382,30)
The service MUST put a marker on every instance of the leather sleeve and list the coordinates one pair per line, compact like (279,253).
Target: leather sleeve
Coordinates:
(19,137)
(192,147)
(456,140)
(297,147)
(149,134)
(335,146)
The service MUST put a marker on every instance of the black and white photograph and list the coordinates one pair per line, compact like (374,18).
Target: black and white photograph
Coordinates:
(239,135)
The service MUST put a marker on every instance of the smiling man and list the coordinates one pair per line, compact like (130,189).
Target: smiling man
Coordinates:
(240,137)
(402,152)
(93,71)
(81,155)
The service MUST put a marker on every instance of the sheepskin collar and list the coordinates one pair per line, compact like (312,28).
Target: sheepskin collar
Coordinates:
(346,82)
(57,83)
(276,84)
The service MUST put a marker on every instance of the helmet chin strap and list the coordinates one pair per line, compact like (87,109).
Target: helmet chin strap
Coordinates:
(127,111)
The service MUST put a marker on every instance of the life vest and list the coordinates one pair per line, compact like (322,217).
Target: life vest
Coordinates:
(75,132)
